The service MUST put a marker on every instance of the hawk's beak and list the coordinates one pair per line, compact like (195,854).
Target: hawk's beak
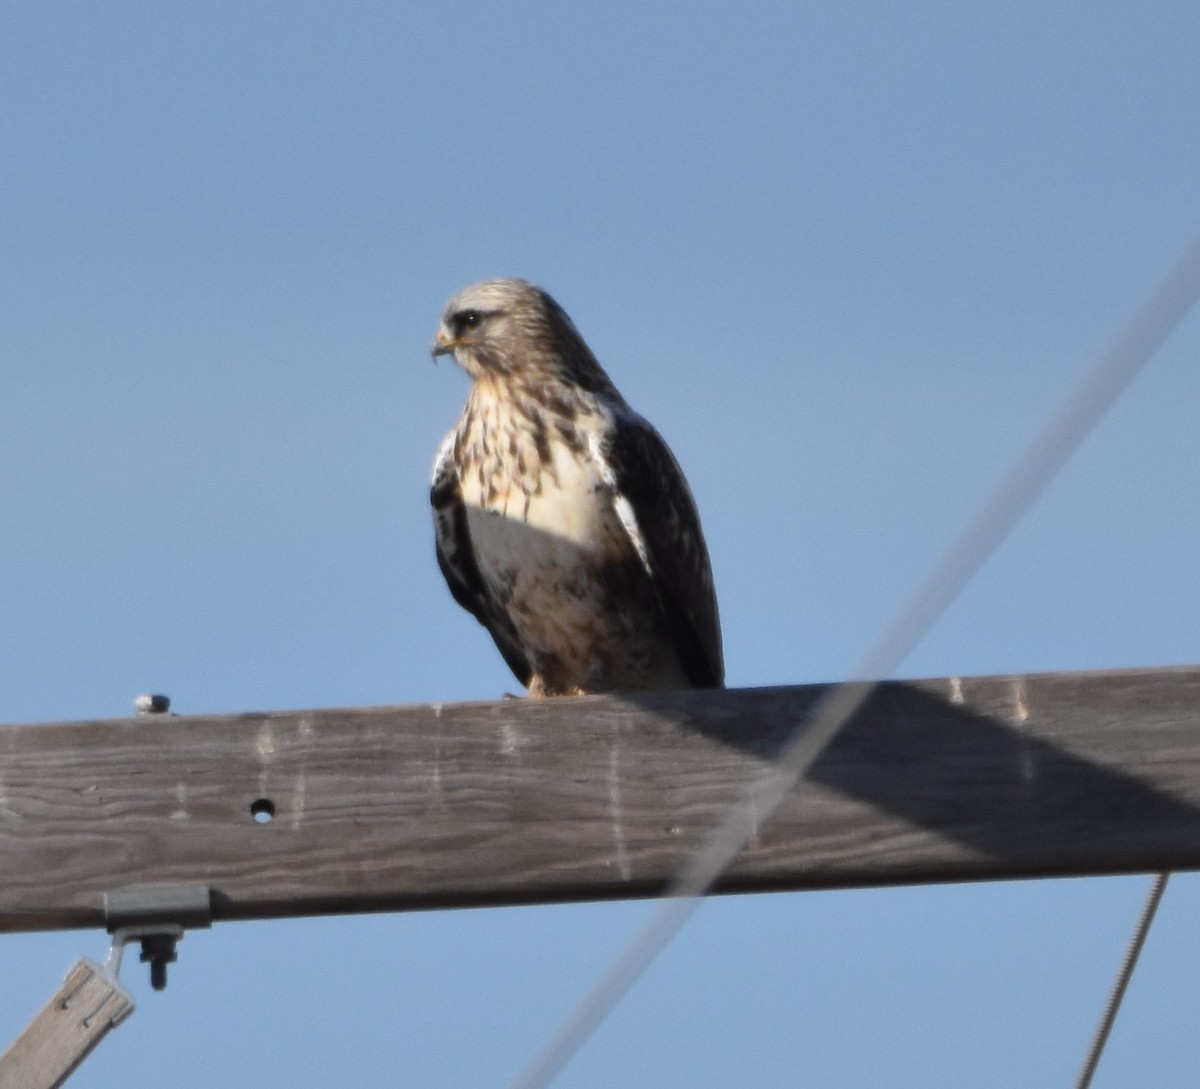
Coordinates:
(443,344)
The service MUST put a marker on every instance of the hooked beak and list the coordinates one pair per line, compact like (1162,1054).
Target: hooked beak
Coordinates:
(443,344)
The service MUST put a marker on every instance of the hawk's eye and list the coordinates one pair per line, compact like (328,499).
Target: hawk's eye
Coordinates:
(467,319)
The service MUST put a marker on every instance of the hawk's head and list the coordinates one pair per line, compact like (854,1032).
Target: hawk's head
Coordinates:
(510,329)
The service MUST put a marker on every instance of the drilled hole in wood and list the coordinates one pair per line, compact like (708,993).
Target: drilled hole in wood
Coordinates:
(262,810)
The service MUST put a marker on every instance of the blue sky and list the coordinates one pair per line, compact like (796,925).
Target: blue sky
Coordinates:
(848,259)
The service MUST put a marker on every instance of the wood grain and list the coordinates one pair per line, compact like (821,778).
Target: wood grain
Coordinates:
(85,1008)
(524,801)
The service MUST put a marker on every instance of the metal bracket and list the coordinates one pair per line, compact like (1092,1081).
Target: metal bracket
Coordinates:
(156,916)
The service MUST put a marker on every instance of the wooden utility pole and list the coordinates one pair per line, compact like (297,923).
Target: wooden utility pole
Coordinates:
(525,801)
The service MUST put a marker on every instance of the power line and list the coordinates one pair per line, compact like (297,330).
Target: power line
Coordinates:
(1099,388)
(1113,1006)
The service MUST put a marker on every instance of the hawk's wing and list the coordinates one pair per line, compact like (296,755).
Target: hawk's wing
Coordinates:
(456,558)
(656,507)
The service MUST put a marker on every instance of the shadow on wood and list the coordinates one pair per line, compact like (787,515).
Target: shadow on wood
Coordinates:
(1048,774)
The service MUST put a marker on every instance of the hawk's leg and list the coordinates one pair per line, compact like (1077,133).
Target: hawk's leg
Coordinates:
(540,688)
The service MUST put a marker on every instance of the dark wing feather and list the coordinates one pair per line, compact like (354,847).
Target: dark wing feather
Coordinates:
(658,512)
(456,558)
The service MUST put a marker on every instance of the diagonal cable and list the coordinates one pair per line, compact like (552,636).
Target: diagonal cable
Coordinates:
(1128,964)
(1099,388)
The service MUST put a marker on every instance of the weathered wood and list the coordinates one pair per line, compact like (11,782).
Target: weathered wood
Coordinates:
(85,1008)
(523,801)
